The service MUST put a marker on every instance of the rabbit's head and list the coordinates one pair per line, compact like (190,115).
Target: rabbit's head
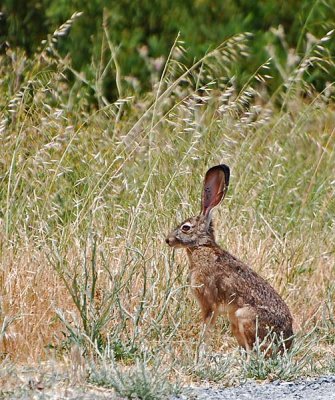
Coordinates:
(198,231)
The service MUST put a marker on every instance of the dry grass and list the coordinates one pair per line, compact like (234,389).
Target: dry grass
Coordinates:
(87,197)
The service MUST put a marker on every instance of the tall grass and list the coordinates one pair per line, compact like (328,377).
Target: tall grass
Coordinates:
(88,194)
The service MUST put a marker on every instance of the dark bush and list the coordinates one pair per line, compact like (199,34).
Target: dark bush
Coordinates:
(203,24)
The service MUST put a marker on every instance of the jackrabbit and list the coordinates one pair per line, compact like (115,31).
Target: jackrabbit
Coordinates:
(222,283)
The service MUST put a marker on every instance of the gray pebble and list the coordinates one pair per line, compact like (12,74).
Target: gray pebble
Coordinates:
(322,388)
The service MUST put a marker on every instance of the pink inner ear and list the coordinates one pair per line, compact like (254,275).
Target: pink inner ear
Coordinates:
(214,189)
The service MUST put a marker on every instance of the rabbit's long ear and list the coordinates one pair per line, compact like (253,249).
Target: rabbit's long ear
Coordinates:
(215,187)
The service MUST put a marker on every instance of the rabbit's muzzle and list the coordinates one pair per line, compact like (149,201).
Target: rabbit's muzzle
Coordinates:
(172,241)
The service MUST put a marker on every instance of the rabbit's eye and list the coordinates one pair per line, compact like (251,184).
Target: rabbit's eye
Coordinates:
(186,228)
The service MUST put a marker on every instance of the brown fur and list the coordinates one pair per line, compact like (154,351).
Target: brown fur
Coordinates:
(222,283)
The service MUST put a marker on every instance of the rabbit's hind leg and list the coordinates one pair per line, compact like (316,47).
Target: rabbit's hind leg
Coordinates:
(243,327)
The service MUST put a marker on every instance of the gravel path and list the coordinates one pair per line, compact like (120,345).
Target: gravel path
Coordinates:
(322,388)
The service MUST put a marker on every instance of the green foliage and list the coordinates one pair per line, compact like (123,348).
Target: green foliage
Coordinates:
(141,381)
(215,368)
(327,324)
(266,362)
(142,32)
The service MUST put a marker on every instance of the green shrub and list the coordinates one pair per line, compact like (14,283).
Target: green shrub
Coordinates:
(143,32)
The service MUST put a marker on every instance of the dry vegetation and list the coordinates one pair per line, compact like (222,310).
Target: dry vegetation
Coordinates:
(87,195)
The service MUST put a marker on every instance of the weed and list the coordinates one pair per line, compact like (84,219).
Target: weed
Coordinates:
(268,361)
(140,381)
(215,368)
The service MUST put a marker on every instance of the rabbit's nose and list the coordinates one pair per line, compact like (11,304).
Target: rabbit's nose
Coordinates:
(167,240)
